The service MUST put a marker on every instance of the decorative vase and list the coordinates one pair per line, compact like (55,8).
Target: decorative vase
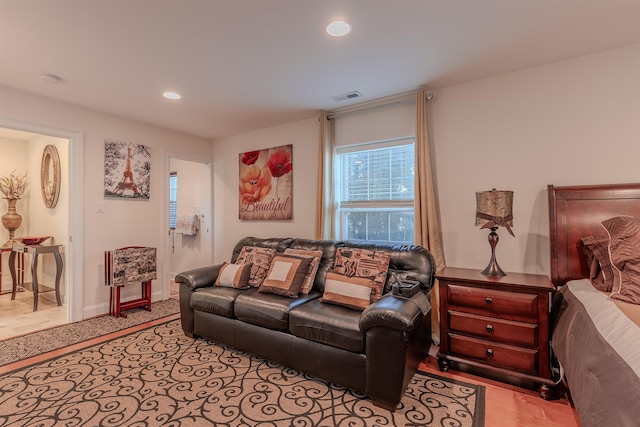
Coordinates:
(11,221)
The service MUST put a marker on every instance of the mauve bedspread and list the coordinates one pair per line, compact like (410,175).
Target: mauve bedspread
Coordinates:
(598,347)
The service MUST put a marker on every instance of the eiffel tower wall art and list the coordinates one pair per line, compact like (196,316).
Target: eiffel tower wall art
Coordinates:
(127,170)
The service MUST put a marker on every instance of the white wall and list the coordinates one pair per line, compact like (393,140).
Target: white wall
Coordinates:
(571,122)
(194,197)
(124,222)
(566,123)
(228,229)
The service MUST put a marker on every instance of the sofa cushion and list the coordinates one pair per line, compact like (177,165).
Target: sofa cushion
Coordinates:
(234,276)
(315,256)
(327,324)
(360,262)
(260,260)
(215,300)
(285,276)
(267,310)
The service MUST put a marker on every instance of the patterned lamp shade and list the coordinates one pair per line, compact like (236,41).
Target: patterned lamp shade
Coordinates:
(494,209)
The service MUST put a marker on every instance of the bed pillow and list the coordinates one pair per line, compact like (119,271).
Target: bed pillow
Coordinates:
(260,259)
(364,263)
(347,291)
(285,276)
(310,276)
(234,276)
(596,251)
(624,252)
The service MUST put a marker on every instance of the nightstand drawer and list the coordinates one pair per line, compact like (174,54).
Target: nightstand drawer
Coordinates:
(494,353)
(519,304)
(493,329)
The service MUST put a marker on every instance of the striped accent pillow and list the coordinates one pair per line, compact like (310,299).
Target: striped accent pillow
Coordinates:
(234,276)
(351,292)
(624,251)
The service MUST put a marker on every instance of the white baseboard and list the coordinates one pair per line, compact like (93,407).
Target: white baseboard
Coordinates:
(102,309)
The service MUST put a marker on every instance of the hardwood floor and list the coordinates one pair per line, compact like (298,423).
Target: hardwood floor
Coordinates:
(511,406)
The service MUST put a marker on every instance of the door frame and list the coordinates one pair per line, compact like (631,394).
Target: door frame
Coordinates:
(74,249)
(164,226)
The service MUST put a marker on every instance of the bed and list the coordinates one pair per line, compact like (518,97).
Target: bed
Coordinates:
(595,333)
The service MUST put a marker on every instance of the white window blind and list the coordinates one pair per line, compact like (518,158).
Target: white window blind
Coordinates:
(375,191)
(173,199)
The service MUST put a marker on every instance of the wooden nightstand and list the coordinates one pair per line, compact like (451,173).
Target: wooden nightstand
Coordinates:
(497,323)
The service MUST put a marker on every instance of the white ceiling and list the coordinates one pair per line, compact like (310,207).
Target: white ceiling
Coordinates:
(243,65)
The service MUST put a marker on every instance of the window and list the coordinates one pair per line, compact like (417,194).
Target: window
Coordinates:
(173,199)
(374,191)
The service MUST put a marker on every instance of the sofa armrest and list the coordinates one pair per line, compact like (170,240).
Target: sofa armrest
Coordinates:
(395,312)
(199,277)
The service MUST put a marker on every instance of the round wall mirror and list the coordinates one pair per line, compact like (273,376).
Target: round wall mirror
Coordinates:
(50,176)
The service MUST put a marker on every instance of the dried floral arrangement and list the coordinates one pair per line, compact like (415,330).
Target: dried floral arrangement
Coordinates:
(13,186)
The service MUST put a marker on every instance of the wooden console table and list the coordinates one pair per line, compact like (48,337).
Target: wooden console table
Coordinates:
(20,266)
(35,250)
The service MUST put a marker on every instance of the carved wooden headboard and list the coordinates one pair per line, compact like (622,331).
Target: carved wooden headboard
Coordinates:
(576,212)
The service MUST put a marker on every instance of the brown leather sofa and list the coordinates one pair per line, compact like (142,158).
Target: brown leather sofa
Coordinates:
(375,351)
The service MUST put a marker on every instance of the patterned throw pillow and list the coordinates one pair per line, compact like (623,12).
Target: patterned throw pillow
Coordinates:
(234,276)
(260,260)
(285,276)
(357,262)
(351,292)
(309,278)
(624,252)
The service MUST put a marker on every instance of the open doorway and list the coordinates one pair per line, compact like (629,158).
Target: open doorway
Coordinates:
(21,149)
(188,229)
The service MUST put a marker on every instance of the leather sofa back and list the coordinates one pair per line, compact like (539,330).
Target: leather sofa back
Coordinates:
(412,260)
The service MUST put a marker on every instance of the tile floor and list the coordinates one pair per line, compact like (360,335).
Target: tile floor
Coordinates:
(18,318)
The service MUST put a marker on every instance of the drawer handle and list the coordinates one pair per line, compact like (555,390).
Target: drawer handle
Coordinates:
(488,300)
(489,352)
(489,328)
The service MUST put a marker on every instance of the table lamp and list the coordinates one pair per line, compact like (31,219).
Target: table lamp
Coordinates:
(494,209)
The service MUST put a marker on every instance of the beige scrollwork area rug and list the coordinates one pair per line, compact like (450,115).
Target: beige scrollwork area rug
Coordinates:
(159,377)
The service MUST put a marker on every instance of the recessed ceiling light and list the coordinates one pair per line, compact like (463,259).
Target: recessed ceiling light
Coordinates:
(171,95)
(338,28)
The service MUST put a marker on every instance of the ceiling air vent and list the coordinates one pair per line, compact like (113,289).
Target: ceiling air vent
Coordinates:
(347,96)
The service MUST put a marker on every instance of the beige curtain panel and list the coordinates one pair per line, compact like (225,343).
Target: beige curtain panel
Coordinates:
(427,223)
(325,197)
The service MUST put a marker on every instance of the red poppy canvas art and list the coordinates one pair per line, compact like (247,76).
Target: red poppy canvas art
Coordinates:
(266,184)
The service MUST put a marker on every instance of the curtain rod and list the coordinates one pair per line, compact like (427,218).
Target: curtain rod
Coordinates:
(377,107)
